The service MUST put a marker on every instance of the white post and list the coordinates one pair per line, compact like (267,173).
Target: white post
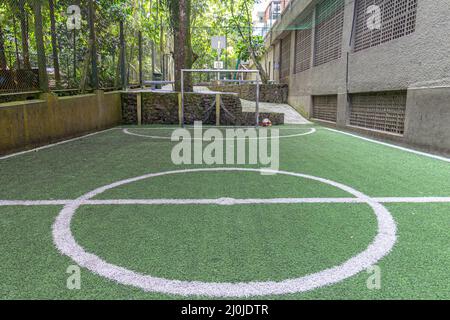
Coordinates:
(257,99)
(182,98)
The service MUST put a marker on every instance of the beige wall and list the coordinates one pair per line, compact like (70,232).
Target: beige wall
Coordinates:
(27,124)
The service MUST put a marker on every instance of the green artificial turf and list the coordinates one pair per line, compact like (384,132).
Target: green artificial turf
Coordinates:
(226,244)
(223,243)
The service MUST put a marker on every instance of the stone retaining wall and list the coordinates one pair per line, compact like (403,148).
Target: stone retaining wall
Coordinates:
(162,108)
(273,93)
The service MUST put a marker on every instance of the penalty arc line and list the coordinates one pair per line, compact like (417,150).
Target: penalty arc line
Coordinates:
(310,131)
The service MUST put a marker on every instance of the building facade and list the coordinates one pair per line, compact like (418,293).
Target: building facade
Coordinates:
(376,66)
(264,20)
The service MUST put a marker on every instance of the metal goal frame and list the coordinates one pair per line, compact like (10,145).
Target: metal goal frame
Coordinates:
(258,79)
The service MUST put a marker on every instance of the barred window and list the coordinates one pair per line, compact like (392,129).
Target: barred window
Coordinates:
(398,19)
(285,57)
(303,42)
(381,111)
(329,30)
(325,108)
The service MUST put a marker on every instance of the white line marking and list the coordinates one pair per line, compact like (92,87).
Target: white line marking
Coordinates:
(380,247)
(392,145)
(414,200)
(311,131)
(27,203)
(221,201)
(54,144)
(212,127)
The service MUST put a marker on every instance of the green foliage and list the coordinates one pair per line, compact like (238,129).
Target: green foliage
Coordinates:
(208,18)
(243,49)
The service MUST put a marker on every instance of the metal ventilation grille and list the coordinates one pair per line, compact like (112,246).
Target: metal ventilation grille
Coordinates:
(398,19)
(329,29)
(285,59)
(325,108)
(384,111)
(303,42)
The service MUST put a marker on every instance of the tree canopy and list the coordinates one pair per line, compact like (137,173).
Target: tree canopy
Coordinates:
(155,21)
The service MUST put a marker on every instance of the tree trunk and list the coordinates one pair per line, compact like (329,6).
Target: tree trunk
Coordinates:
(122,57)
(262,72)
(181,23)
(54,43)
(93,43)
(16,45)
(161,41)
(3,65)
(39,36)
(85,69)
(141,70)
(24,31)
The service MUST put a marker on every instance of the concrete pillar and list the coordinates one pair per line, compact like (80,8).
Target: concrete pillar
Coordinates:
(343,109)
(343,106)
(428,117)
(349,13)
(276,62)
(313,36)
(292,56)
(102,113)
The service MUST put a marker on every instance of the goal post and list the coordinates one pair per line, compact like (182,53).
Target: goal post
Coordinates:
(258,79)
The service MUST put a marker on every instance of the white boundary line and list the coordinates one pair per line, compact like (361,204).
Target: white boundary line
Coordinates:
(310,131)
(29,203)
(54,144)
(221,201)
(219,127)
(380,247)
(429,155)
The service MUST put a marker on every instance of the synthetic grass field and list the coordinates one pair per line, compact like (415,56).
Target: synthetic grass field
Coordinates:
(162,231)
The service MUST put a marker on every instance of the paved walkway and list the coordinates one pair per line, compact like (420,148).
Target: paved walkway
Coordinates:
(291,116)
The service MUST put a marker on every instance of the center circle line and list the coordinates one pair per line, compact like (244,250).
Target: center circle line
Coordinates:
(382,245)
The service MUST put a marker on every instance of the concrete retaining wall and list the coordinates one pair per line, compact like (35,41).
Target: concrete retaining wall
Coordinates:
(33,123)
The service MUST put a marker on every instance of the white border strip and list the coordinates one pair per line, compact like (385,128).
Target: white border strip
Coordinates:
(429,155)
(190,127)
(220,201)
(27,203)
(414,200)
(54,144)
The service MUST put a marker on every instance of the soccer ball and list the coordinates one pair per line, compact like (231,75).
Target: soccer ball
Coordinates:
(266,123)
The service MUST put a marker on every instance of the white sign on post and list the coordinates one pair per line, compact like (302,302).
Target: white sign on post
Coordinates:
(218,65)
(218,43)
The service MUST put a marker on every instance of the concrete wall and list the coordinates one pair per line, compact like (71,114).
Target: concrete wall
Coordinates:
(420,59)
(33,123)
(428,118)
